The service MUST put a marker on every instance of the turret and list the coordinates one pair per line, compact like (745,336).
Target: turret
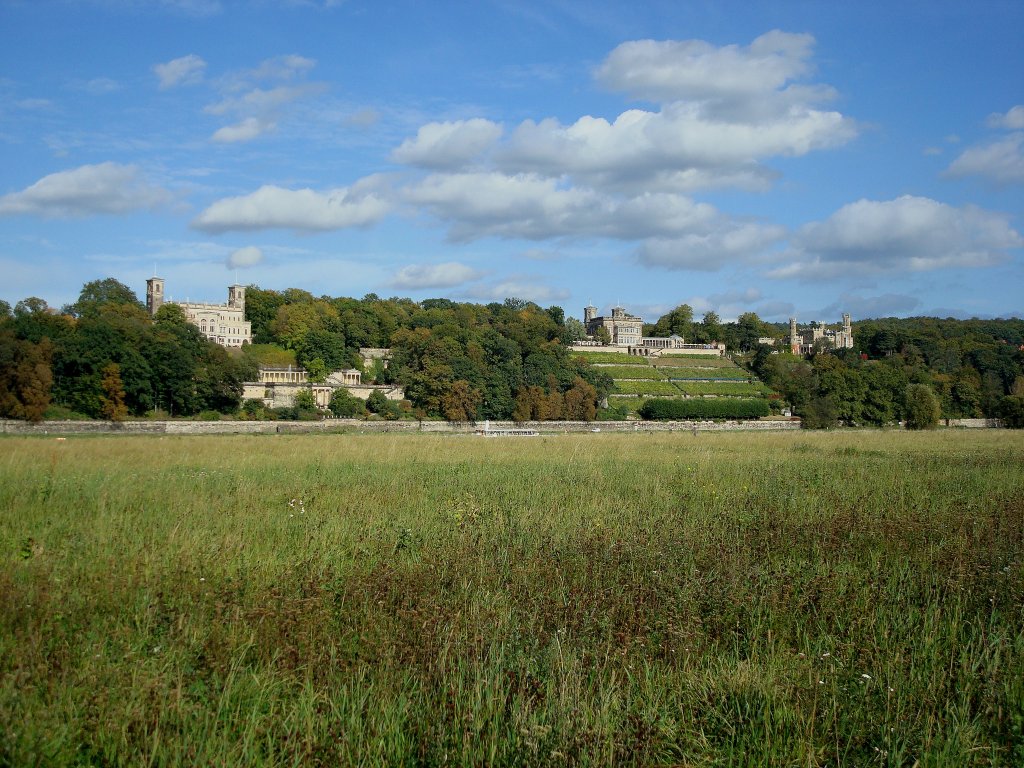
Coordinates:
(794,340)
(589,313)
(154,294)
(236,296)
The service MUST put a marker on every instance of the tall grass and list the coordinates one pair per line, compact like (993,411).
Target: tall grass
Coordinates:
(776,599)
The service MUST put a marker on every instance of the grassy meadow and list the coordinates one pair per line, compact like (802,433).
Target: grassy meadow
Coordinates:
(791,599)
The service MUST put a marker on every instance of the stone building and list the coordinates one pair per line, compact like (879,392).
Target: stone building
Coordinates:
(623,329)
(224,324)
(277,387)
(801,342)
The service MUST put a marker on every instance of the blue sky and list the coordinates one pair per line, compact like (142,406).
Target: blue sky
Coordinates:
(803,158)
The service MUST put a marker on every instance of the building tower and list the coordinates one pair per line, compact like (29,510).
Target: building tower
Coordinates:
(154,294)
(794,340)
(236,296)
(589,313)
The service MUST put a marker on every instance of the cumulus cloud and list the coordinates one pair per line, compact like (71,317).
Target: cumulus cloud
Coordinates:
(671,70)
(417,277)
(1013,120)
(492,204)
(248,256)
(909,234)
(681,143)
(1001,161)
(246,130)
(106,188)
(886,305)
(272,207)
(723,111)
(516,288)
(186,70)
(728,242)
(448,145)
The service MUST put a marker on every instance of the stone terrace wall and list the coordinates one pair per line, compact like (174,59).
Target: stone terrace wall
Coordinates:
(357,425)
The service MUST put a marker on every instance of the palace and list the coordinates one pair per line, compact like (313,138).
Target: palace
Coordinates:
(224,324)
(625,330)
(802,342)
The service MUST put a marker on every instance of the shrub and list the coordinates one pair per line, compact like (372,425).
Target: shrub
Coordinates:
(345,405)
(922,407)
(719,408)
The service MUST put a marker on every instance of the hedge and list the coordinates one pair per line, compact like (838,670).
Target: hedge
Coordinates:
(720,408)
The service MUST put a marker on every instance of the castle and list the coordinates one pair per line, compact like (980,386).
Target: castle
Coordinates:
(625,330)
(802,342)
(223,324)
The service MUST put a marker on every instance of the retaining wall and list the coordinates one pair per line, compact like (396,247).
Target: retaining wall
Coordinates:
(358,425)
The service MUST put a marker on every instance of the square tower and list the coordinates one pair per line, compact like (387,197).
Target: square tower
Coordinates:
(236,296)
(154,294)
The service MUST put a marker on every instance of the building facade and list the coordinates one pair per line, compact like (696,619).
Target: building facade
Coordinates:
(801,342)
(624,330)
(224,324)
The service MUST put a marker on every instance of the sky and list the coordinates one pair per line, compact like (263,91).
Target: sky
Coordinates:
(772,156)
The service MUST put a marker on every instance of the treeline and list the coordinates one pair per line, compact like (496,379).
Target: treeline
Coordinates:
(973,369)
(458,361)
(105,357)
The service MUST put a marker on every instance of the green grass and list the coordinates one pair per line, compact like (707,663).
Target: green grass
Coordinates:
(708,373)
(722,388)
(632,372)
(627,387)
(618,358)
(801,599)
(691,361)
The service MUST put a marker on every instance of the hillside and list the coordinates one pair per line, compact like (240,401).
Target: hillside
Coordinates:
(672,376)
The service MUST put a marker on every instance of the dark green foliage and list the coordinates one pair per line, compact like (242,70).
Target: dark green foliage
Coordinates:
(345,406)
(1012,411)
(703,408)
(98,295)
(922,407)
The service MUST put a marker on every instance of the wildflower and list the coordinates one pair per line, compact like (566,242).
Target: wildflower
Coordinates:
(825,655)
(866,677)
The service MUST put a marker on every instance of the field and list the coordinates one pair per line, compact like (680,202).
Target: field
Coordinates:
(716,599)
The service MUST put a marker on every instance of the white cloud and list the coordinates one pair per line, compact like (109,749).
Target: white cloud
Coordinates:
(106,188)
(516,288)
(99,86)
(528,206)
(249,256)
(272,207)
(285,67)
(256,110)
(728,242)
(363,118)
(681,146)
(1001,161)
(246,130)
(259,109)
(417,277)
(911,234)
(672,70)
(723,112)
(1013,120)
(449,145)
(186,70)
(886,305)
